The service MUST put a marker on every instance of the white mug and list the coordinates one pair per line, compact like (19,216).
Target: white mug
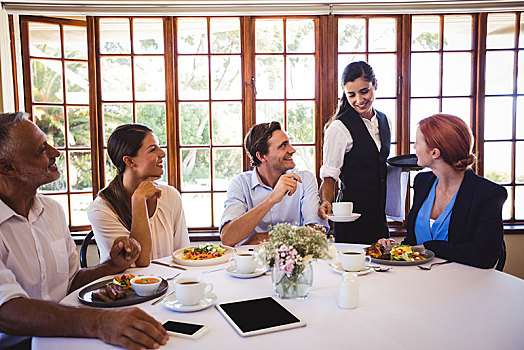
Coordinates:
(191,290)
(353,260)
(244,262)
(342,208)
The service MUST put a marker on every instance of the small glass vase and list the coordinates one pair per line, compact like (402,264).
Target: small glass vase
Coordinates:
(296,286)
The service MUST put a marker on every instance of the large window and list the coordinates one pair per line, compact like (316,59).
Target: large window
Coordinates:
(201,82)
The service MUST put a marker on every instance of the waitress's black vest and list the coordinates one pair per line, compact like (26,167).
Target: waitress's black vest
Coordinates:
(363,181)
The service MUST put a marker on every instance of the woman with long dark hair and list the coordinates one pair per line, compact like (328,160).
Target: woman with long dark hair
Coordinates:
(356,145)
(134,203)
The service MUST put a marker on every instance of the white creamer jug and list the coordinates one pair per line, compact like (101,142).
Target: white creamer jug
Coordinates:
(348,291)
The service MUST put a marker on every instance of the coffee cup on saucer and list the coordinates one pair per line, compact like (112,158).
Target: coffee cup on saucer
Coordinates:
(244,262)
(353,260)
(191,290)
(342,208)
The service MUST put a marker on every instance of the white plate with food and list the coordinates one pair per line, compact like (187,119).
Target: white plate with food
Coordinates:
(403,255)
(349,218)
(203,255)
(171,302)
(260,270)
(337,267)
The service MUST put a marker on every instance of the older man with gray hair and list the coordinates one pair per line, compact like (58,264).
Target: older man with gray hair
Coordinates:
(38,260)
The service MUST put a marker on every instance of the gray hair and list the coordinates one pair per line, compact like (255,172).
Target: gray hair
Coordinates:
(8,121)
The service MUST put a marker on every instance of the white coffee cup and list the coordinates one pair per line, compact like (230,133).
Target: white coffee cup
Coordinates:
(244,262)
(342,208)
(191,290)
(353,260)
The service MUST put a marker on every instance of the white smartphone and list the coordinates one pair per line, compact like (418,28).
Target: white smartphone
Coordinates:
(185,330)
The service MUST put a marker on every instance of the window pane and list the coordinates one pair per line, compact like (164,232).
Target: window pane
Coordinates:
(385,68)
(150,78)
(227,163)
(227,123)
(382,34)
(192,35)
(425,74)
(420,109)
(148,35)
(79,132)
(501,31)
(499,113)
(225,35)
(44,40)
(301,122)
(218,207)
(269,77)
(456,74)
(62,199)
(519,202)
(269,35)
(79,204)
(506,208)
(425,33)
(226,83)
(46,79)
(195,169)
(460,107)
(521,35)
(51,121)
(305,158)
(343,61)
(499,72)
(116,114)
(59,185)
(268,111)
(75,42)
(497,161)
(197,208)
(80,170)
(351,35)
(154,116)
(194,123)
(520,76)
(114,36)
(77,82)
(116,78)
(519,162)
(193,78)
(457,32)
(300,35)
(388,107)
(300,77)
(520,117)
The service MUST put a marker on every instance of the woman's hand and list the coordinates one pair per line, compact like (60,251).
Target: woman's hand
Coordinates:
(387,241)
(147,189)
(324,209)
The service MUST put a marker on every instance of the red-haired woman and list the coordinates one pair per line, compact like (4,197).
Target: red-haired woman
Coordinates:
(456,213)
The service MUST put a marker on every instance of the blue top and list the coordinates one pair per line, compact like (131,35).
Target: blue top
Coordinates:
(424,231)
(246,191)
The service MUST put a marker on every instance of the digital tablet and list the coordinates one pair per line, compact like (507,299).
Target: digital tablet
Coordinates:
(257,316)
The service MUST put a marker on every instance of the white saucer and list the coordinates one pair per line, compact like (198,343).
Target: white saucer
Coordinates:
(350,218)
(172,303)
(337,267)
(260,270)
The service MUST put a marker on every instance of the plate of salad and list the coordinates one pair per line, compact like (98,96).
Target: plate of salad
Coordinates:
(203,255)
(404,255)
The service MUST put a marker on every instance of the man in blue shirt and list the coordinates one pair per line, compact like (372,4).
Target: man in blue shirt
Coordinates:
(274,192)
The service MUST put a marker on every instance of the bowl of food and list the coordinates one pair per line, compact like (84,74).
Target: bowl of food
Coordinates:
(145,285)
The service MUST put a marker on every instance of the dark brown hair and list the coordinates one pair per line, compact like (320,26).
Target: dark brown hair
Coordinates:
(126,140)
(256,140)
(452,136)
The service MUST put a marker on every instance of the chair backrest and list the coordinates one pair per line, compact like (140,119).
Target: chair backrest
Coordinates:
(502,258)
(83,249)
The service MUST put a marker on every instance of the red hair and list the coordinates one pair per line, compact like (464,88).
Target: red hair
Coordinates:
(452,136)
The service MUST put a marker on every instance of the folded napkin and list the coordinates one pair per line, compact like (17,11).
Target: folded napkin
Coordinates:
(397,185)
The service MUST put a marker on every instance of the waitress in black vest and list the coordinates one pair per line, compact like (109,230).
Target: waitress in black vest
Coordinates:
(357,140)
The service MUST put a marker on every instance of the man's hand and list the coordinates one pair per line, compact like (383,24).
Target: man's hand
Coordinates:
(124,252)
(287,184)
(325,209)
(130,328)
(387,241)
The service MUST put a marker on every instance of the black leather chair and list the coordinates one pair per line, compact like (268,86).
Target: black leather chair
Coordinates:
(502,258)
(83,249)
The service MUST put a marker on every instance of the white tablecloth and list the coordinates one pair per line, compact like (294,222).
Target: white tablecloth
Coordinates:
(452,306)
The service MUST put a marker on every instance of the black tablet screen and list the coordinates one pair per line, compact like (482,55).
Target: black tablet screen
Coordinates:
(255,314)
